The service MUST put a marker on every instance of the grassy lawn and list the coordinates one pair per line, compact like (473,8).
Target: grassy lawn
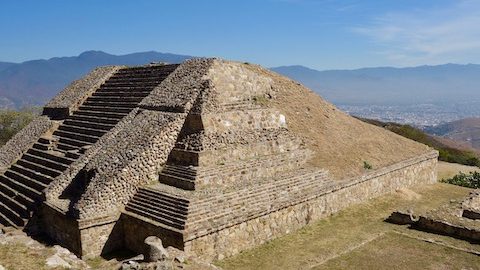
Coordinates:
(358,238)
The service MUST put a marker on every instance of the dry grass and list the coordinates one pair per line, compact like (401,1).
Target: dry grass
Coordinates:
(447,170)
(341,143)
(21,257)
(385,253)
(347,232)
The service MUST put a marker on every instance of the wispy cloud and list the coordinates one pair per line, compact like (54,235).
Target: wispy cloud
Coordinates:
(433,36)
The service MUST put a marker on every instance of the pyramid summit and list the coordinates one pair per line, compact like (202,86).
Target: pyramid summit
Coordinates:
(212,156)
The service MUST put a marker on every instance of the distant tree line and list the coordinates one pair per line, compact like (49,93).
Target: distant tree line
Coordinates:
(446,153)
(13,121)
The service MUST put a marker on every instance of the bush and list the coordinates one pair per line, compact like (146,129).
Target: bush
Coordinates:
(470,180)
(13,121)
(367,166)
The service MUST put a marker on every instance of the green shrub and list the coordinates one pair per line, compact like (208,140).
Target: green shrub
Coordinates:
(13,121)
(367,166)
(470,180)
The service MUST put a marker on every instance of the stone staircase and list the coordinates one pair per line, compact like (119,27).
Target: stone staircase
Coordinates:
(179,176)
(167,210)
(22,185)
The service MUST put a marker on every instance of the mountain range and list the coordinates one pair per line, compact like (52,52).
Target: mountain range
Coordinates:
(466,131)
(392,86)
(35,82)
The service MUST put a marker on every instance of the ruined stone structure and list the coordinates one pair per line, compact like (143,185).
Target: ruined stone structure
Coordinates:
(192,153)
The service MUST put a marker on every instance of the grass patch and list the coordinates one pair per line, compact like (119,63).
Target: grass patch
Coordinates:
(394,251)
(260,100)
(20,257)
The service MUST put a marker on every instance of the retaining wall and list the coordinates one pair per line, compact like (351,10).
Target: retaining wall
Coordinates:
(248,234)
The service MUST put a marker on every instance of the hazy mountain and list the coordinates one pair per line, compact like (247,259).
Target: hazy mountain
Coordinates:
(392,86)
(35,82)
(4,65)
(466,131)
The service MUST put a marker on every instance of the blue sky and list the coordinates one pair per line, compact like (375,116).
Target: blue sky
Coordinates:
(323,34)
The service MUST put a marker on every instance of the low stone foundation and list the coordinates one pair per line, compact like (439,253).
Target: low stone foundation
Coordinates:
(251,233)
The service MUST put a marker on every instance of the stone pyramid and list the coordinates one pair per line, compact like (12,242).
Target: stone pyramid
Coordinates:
(208,155)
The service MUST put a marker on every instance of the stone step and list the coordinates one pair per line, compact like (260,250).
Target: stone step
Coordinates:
(76,136)
(111,99)
(68,151)
(67,148)
(147,85)
(13,216)
(176,181)
(146,70)
(119,94)
(88,124)
(45,162)
(130,89)
(174,212)
(21,188)
(161,195)
(45,140)
(82,130)
(38,168)
(20,197)
(97,117)
(159,210)
(25,180)
(50,155)
(70,143)
(139,210)
(40,177)
(180,171)
(106,110)
(156,78)
(173,206)
(111,104)
(42,146)
(14,205)
(5,221)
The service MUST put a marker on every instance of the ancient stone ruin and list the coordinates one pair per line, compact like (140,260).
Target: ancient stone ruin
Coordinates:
(211,156)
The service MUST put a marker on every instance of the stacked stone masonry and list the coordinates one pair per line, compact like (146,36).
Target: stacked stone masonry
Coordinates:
(189,153)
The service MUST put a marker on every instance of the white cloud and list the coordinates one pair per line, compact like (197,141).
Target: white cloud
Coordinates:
(431,36)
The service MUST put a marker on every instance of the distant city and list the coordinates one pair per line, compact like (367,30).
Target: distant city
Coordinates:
(419,115)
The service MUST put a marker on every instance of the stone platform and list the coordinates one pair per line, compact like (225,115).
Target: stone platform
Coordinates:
(192,153)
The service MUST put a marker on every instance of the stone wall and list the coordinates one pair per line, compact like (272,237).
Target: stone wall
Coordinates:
(63,230)
(75,94)
(259,229)
(99,236)
(23,140)
(243,120)
(242,172)
(236,148)
(133,158)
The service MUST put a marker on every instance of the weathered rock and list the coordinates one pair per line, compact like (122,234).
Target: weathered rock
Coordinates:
(56,261)
(155,250)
